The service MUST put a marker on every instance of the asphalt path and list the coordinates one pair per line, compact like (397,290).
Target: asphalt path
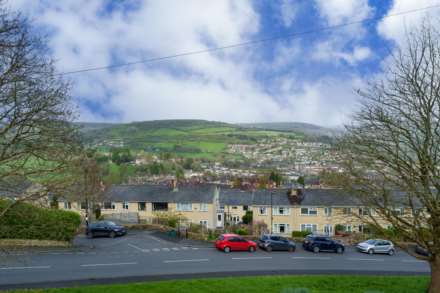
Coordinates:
(143,256)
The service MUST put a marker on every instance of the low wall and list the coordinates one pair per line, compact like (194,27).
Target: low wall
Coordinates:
(32,243)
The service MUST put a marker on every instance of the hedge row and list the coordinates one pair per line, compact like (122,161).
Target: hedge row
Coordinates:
(26,221)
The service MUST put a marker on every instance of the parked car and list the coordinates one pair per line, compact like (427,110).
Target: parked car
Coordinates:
(317,243)
(372,246)
(233,242)
(273,242)
(105,228)
(422,251)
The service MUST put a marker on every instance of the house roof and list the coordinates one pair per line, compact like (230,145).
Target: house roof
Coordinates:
(204,193)
(161,193)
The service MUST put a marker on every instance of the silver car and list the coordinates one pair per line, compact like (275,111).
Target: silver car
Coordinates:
(376,246)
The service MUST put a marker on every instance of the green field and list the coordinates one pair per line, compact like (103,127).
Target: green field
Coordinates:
(186,138)
(283,284)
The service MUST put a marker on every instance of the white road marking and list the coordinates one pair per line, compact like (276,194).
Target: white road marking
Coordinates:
(165,249)
(175,248)
(156,249)
(195,248)
(365,259)
(252,257)
(25,268)
(136,247)
(186,260)
(185,248)
(109,264)
(312,257)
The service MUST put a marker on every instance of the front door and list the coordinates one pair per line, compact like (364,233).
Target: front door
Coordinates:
(219,219)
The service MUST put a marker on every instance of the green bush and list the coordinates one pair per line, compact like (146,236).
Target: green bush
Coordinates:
(241,231)
(296,234)
(26,221)
(247,218)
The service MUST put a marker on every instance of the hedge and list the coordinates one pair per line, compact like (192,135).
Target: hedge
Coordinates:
(296,234)
(26,221)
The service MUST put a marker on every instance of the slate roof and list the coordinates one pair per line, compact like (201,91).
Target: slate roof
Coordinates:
(161,193)
(204,193)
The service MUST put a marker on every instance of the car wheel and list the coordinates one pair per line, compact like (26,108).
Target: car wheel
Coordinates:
(315,249)
(339,250)
(370,251)
(112,234)
(251,249)
(391,252)
(227,249)
(90,235)
(269,248)
(291,249)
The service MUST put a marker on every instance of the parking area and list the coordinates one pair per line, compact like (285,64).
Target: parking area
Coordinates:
(150,253)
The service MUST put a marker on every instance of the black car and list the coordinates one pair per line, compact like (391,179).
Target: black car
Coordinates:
(317,243)
(274,242)
(105,228)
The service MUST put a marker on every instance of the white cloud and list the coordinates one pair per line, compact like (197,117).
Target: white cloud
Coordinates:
(288,11)
(339,11)
(395,28)
(215,86)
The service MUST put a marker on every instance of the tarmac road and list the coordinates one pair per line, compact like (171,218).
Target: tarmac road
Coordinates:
(144,255)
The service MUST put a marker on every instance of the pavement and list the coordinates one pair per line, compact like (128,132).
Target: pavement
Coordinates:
(148,255)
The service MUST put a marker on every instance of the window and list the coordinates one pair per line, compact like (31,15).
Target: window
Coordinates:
(364,211)
(142,206)
(204,223)
(67,205)
(328,229)
(245,208)
(184,207)
(235,219)
(83,205)
(219,217)
(281,228)
(203,207)
(309,211)
(328,212)
(125,205)
(281,211)
(347,228)
(262,210)
(363,229)
(234,207)
(309,227)
(346,211)
(398,212)
(160,206)
(108,205)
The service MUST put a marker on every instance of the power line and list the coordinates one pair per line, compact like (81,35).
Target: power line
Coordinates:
(248,43)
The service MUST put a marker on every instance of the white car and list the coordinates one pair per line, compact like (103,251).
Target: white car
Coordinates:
(372,246)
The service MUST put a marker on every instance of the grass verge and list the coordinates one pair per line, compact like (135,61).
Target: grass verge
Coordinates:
(283,284)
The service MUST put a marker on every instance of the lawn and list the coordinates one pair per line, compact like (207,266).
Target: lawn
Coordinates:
(283,284)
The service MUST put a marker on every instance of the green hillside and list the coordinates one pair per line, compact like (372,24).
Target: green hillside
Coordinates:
(194,138)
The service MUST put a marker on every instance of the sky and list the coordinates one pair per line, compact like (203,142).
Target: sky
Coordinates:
(309,78)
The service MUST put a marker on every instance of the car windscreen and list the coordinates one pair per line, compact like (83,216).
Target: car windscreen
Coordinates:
(371,241)
(109,223)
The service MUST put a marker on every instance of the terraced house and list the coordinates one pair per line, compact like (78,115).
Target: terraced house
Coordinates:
(281,210)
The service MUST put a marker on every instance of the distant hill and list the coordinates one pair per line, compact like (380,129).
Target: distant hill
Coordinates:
(195,138)
(298,127)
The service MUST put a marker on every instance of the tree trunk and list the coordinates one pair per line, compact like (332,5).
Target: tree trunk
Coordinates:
(435,275)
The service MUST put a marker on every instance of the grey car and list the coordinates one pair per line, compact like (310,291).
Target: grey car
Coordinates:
(372,246)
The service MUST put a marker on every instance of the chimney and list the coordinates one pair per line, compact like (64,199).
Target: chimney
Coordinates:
(174,185)
(295,196)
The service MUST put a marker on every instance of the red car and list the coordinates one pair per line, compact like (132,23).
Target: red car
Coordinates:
(234,242)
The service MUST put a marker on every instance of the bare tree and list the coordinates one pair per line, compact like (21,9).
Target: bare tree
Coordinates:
(37,140)
(392,149)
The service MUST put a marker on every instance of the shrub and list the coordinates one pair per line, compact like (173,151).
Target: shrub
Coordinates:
(26,221)
(339,228)
(247,218)
(296,234)
(241,231)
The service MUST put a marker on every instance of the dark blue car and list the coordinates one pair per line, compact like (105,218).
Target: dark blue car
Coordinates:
(275,242)
(317,243)
(105,228)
